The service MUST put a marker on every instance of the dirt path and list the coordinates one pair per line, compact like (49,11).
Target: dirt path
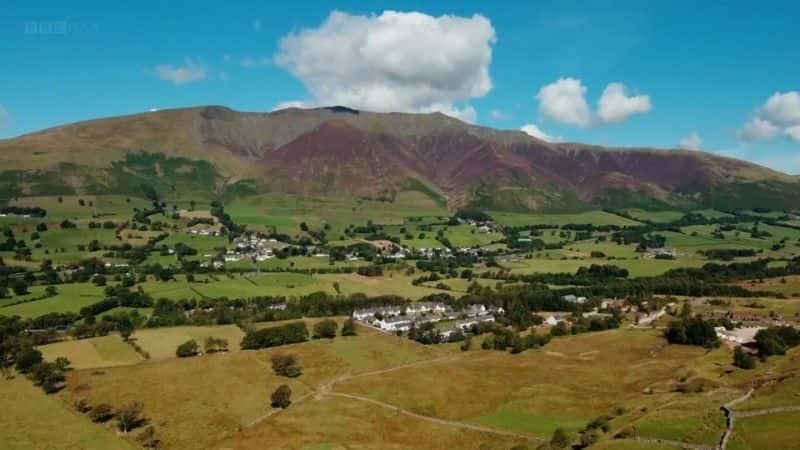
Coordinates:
(449,423)
(326,387)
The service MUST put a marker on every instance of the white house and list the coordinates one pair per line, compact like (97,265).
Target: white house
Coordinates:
(464,324)
(395,324)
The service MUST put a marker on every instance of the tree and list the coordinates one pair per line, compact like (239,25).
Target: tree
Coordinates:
(285,365)
(349,327)
(125,327)
(187,349)
(467,344)
(62,363)
(27,359)
(281,398)
(51,291)
(101,413)
(19,287)
(743,359)
(325,329)
(560,439)
(129,417)
(41,227)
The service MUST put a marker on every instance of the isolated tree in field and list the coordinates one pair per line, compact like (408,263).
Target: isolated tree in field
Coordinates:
(125,327)
(743,359)
(187,349)
(27,359)
(349,327)
(560,439)
(285,365)
(101,413)
(282,397)
(129,417)
(325,329)
(41,227)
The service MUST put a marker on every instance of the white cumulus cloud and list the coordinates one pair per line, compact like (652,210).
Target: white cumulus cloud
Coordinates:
(758,129)
(616,106)
(535,131)
(564,101)
(189,72)
(691,142)
(793,133)
(782,108)
(396,61)
(5,119)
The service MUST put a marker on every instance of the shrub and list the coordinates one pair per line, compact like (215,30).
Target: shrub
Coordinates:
(743,359)
(214,345)
(129,417)
(187,349)
(281,398)
(349,327)
(325,329)
(27,359)
(286,365)
(101,413)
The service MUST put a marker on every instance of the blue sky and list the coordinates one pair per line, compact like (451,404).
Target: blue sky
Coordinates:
(721,76)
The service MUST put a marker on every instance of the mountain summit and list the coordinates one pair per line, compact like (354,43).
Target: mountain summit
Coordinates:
(337,151)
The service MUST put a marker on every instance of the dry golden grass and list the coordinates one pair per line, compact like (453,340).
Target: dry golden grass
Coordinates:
(106,351)
(339,423)
(194,402)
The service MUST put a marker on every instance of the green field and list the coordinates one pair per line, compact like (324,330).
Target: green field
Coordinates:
(591,217)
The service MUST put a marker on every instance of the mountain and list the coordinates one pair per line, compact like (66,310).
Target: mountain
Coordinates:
(213,151)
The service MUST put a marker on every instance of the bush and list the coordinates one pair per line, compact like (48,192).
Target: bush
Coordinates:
(101,413)
(214,345)
(187,349)
(742,359)
(349,327)
(286,365)
(129,417)
(27,359)
(83,406)
(281,398)
(325,329)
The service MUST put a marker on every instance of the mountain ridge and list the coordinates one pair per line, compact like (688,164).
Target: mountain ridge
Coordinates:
(344,152)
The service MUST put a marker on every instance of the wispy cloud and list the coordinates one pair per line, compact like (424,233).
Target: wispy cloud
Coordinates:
(189,72)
